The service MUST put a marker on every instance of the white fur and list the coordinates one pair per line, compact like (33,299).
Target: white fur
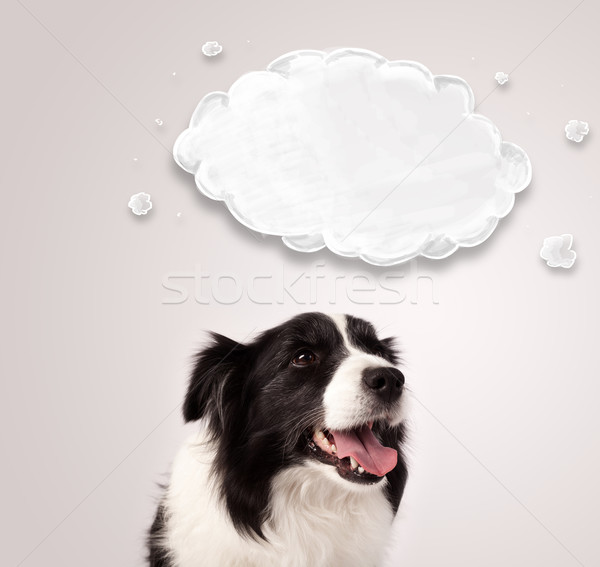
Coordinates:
(317,519)
(346,389)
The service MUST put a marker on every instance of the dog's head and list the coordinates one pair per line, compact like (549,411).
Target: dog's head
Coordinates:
(319,390)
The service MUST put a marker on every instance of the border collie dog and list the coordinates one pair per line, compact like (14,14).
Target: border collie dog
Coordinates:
(299,461)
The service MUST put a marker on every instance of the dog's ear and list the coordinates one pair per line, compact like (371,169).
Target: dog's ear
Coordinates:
(212,368)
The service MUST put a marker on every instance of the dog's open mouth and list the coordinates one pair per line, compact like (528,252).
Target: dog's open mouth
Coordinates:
(357,454)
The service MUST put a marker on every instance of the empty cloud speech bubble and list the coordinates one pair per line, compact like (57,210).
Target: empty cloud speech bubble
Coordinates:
(368,157)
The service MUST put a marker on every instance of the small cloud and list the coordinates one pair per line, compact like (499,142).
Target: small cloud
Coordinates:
(557,251)
(211,48)
(159,122)
(140,203)
(501,77)
(576,130)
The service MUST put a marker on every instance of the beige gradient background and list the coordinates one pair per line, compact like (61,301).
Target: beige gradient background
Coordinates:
(501,351)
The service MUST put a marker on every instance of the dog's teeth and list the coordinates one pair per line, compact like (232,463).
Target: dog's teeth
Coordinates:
(353,463)
(320,435)
(360,470)
(334,449)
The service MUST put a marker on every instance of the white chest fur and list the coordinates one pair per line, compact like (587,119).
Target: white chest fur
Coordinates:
(317,519)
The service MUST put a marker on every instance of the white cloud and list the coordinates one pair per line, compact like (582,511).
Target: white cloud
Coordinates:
(501,77)
(140,203)
(576,130)
(211,48)
(557,251)
(347,150)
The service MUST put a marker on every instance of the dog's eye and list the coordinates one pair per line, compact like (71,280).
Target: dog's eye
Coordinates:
(304,358)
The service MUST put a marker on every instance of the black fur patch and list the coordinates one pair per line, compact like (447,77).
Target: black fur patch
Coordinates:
(266,403)
(394,437)
(157,556)
(362,335)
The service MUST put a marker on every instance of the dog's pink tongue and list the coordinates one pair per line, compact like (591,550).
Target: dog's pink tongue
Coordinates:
(364,447)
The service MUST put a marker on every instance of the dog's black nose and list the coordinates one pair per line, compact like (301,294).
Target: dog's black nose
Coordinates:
(386,383)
